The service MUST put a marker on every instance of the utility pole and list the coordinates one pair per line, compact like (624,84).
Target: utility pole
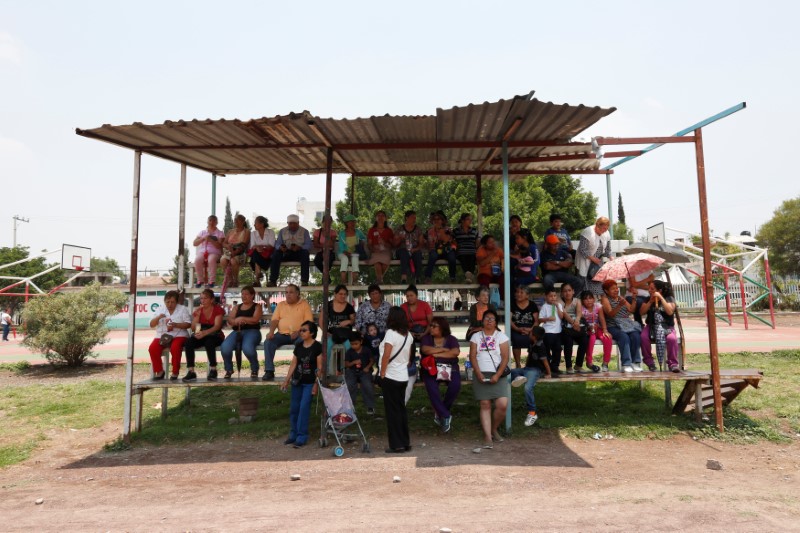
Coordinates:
(16,219)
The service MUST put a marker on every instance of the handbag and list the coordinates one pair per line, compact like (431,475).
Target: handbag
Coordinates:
(593,269)
(166,340)
(506,370)
(429,363)
(377,379)
(443,371)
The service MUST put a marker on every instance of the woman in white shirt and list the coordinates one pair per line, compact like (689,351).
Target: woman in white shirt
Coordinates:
(172,322)
(395,350)
(262,244)
(488,354)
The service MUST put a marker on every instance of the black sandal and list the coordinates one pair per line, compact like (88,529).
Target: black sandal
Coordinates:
(228,374)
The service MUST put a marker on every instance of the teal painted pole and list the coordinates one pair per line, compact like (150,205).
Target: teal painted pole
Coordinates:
(610,206)
(213,193)
(506,270)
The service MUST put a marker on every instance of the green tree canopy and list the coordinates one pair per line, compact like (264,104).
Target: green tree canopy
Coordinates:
(533,198)
(23,270)
(781,234)
(107,264)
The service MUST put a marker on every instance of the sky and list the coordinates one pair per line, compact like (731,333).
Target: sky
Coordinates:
(664,66)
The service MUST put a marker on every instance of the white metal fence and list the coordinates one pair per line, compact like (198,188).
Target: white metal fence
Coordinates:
(690,295)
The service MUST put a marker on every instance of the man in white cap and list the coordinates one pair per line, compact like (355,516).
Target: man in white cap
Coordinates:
(293,244)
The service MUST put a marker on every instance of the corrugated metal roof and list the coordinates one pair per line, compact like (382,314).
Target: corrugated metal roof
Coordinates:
(455,141)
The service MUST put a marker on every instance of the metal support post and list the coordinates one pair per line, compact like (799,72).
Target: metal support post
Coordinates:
(506,265)
(610,205)
(126,417)
(712,323)
(213,193)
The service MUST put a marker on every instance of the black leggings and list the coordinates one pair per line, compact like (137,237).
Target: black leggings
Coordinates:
(467,262)
(210,343)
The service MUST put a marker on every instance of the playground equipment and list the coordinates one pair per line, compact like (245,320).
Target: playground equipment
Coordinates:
(733,273)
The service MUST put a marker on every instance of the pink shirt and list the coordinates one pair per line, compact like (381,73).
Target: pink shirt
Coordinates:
(206,245)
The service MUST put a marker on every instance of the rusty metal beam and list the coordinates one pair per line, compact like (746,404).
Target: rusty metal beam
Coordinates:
(607,141)
(629,153)
(544,158)
(514,172)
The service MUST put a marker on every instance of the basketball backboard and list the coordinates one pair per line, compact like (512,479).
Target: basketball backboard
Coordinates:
(657,233)
(75,257)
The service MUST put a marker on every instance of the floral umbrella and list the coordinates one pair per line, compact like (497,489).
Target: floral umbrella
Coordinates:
(627,266)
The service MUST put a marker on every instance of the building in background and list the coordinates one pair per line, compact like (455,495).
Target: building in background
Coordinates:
(310,212)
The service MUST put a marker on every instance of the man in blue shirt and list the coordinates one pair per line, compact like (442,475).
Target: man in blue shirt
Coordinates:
(556,228)
(293,244)
(556,262)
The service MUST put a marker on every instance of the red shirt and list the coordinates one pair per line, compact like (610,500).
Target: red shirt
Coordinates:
(374,233)
(204,320)
(420,315)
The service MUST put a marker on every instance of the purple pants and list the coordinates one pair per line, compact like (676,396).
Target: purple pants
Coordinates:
(672,347)
(442,405)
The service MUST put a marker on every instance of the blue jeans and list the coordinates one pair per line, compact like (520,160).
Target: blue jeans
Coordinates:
(405,258)
(533,374)
(629,345)
(270,346)
(449,254)
(300,413)
(6,329)
(551,278)
(250,339)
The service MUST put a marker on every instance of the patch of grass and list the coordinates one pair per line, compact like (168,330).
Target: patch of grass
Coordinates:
(16,453)
(17,367)
(622,410)
(36,409)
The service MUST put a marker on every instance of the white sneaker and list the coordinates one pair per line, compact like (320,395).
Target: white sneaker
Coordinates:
(519,381)
(531,418)
(627,369)
(637,367)
(604,368)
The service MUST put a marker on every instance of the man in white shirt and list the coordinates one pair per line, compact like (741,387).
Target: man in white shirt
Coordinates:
(5,321)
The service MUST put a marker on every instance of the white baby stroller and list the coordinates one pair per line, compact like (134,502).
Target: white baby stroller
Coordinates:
(340,414)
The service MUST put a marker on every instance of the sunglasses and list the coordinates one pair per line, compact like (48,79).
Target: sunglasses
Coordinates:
(490,318)
(304,330)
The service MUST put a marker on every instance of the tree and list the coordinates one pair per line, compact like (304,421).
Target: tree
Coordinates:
(65,327)
(623,232)
(781,234)
(228,225)
(107,264)
(24,270)
(620,210)
(173,272)
(533,198)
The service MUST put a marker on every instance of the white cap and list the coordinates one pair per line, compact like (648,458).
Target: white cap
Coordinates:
(293,218)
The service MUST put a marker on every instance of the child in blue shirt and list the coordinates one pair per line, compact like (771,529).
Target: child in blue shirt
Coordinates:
(358,362)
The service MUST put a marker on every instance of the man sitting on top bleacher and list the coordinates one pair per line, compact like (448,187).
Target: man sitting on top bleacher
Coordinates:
(556,262)
(293,244)
(284,327)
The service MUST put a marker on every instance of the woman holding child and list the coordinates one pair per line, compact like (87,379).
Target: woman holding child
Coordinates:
(488,354)
(444,349)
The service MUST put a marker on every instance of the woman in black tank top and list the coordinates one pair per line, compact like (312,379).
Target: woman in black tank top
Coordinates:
(245,320)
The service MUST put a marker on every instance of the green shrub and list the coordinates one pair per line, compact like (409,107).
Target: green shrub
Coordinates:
(65,327)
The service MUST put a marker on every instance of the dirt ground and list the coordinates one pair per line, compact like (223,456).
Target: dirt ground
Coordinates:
(546,483)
